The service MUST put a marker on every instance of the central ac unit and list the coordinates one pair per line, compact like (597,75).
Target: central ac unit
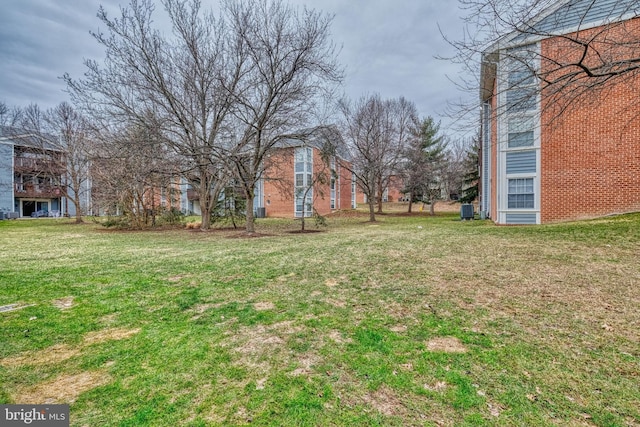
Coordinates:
(466,212)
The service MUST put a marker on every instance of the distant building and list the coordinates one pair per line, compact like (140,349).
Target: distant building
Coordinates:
(297,179)
(32,175)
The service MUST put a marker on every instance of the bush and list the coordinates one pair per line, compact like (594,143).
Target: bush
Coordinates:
(319,220)
(114,222)
(172,216)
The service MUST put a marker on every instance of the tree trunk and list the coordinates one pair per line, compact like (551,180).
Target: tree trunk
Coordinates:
(432,207)
(372,214)
(250,225)
(76,201)
(205,206)
(410,201)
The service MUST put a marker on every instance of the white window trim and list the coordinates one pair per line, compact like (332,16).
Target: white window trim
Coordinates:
(503,148)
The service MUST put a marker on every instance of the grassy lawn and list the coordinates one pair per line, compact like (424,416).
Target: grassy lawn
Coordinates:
(410,321)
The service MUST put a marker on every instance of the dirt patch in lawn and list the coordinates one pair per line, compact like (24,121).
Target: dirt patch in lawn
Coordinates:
(446,345)
(438,386)
(398,329)
(63,303)
(338,337)
(63,389)
(336,302)
(112,334)
(256,341)
(305,362)
(331,282)
(287,327)
(55,354)
(385,401)
(265,305)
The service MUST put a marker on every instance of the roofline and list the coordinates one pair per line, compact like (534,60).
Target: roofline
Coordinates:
(488,67)
(504,42)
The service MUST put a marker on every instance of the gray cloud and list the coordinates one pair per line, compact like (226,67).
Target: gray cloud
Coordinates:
(387,47)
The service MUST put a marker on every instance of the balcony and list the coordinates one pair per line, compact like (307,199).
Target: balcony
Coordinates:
(32,191)
(27,164)
(192,195)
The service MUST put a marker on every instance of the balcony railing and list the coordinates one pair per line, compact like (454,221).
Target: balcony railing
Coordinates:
(37,190)
(30,164)
(192,194)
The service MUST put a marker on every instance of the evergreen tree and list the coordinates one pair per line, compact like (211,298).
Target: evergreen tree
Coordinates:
(471,176)
(425,160)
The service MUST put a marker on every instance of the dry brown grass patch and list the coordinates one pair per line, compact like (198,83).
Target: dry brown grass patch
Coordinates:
(446,345)
(63,303)
(385,401)
(305,362)
(336,303)
(438,386)
(265,305)
(111,334)
(55,354)
(331,282)
(63,389)
(338,337)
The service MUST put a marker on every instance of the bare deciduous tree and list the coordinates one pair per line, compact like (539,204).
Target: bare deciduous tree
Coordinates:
(9,116)
(291,64)
(376,132)
(132,171)
(453,170)
(222,90)
(187,81)
(74,141)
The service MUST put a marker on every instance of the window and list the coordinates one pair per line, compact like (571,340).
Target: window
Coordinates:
(521,193)
(303,181)
(520,132)
(354,203)
(521,79)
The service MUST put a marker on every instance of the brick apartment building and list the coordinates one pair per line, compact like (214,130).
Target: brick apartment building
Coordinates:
(297,169)
(544,160)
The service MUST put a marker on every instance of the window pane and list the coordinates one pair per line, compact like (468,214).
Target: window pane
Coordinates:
(521,139)
(520,132)
(521,99)
(521,78)
(520,193)
(299,180)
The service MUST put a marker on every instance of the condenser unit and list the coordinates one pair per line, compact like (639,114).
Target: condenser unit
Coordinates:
(466,212)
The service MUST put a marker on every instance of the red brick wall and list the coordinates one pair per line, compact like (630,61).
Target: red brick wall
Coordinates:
(590,155)
(344,189)
(279,186)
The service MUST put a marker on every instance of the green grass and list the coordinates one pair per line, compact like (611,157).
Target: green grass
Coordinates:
(190,328)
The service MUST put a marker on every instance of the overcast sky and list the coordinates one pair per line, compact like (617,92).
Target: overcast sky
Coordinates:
(388,47)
